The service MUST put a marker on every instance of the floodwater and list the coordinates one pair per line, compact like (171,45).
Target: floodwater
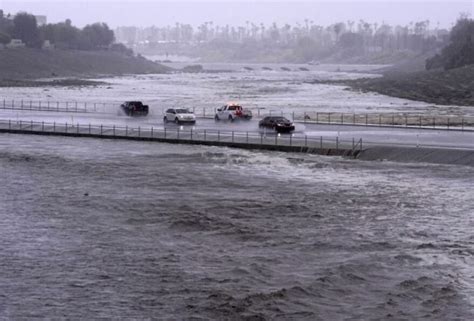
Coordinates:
(269,89)
(108,229)
(94,229)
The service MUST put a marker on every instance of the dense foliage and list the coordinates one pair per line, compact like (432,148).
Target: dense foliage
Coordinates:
(63,35)
(460,50)
(4,38)
(26,29)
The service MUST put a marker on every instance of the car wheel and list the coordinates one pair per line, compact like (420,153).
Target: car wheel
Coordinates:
(176,120)
(165,120)
(216,117)
(230,118)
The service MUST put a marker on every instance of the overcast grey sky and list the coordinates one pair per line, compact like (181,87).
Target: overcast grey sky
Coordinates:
(162,13)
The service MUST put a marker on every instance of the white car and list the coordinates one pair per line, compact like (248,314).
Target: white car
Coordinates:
(232,112)
(179,116)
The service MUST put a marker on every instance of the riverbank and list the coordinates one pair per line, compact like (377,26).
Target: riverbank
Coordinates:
(67,82)
(28,64)
(452,87)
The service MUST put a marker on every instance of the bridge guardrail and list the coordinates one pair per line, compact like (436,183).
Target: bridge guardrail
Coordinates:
(232,138)
(264,139)
(399,120)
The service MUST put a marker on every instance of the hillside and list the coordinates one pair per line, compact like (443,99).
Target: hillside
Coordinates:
(452,87)
(34,63)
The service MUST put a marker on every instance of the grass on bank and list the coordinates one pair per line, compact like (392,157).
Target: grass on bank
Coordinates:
(452,87)
(25,63)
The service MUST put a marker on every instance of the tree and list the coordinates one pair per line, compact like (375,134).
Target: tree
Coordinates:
(26,29)
(62,34)
(4,38)
(6,25)
(121,48)
(96,36)
(338,28)
(274,33)
(352,43)
(460,51)
(306,49)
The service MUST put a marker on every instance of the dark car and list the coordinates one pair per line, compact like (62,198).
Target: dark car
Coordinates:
(278,123)
(134,108)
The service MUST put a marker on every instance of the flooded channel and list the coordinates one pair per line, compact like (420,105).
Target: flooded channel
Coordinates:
(121,230)
(131,230)
(265,87)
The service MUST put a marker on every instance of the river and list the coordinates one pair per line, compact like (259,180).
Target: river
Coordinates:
(270,89)
(109,229)
(94,229)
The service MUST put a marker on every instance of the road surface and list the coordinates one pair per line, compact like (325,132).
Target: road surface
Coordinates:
(371,135)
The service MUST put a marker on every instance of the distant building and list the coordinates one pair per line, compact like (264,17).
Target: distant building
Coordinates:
(16,43)
(47,45)
(41,20)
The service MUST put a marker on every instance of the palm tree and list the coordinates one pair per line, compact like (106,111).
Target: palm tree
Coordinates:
(350,24)
(338,28)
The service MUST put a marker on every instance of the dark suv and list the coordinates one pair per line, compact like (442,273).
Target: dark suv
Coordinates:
(134,108)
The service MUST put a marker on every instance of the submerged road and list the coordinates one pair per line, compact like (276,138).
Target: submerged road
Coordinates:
(386,136)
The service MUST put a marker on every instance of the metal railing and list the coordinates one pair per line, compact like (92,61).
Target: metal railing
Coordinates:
(264,139)
(399,120)
(54,106)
